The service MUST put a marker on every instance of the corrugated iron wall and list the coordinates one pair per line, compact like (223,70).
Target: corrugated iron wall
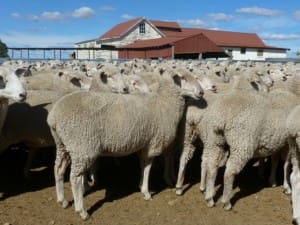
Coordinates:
(196,44)
(165,53)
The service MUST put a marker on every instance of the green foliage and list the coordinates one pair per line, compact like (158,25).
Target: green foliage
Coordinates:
(3,50)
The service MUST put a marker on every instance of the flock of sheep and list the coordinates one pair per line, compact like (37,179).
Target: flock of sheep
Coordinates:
(85,109)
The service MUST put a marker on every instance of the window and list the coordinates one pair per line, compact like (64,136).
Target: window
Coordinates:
(243,50)
(142,28)
(260,52)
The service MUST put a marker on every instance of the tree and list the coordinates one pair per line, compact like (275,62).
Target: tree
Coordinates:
(3,50)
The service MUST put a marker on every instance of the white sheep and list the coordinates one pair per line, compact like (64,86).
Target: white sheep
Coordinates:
(26,122)
(86,125)
(10,88)
(293,127)
(191,129)
(56,80)
(252,124)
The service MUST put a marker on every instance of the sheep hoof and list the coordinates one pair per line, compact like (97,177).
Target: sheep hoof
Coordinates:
(287,191)
(64,204)
(210,203)
(84,215)
(179,191)
(147,197)
(202,189)
(227,206)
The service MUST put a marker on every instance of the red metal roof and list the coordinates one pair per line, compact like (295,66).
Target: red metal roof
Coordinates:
(222,38)
(165,24)
(120,29)
(233,39)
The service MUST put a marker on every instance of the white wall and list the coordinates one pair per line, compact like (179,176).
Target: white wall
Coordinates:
(133,35)
(252,54)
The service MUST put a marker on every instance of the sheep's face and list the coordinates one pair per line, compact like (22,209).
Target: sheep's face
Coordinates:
(10,85)
(190,87)
(277,75)
(136,84)
(266,79)
(116,82)
(207,84)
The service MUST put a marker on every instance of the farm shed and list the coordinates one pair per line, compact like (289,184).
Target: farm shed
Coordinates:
(143,38)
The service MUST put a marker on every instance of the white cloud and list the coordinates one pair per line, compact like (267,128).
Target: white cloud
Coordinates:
(52,16)
(83,13)
(220,17)
(280,37)
(107,8)
(297,15)
(194,22)
(127,16)
(260,11)
(16,15)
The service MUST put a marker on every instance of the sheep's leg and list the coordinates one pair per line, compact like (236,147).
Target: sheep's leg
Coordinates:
(146,164)
(61,163)
(274,165)
(77,183)
(203,175)
(286,171)
(295,178)
(211,158)
(222,161)
(185,156)
(234,165)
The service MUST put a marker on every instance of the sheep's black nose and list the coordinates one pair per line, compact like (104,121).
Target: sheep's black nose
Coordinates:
(23,96)
(126,90)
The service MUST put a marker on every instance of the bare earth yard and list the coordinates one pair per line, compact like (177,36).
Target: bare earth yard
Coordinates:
(117,201)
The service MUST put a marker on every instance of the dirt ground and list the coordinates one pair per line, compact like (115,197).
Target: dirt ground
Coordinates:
(117,201)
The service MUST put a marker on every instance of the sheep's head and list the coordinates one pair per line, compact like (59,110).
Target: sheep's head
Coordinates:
(258,83)
(190,87)
(137,84)
(116,82)
(10,85)
(207,84)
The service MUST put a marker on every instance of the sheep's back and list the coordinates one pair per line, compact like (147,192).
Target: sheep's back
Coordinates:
(112,123)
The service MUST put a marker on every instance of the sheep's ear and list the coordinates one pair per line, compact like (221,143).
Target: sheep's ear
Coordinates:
(99,66)
(20,71)
(177,80)
(103,77)
(76,81)
(60,74)
(254,85)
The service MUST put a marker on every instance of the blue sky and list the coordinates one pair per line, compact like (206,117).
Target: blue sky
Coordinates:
(62,23)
